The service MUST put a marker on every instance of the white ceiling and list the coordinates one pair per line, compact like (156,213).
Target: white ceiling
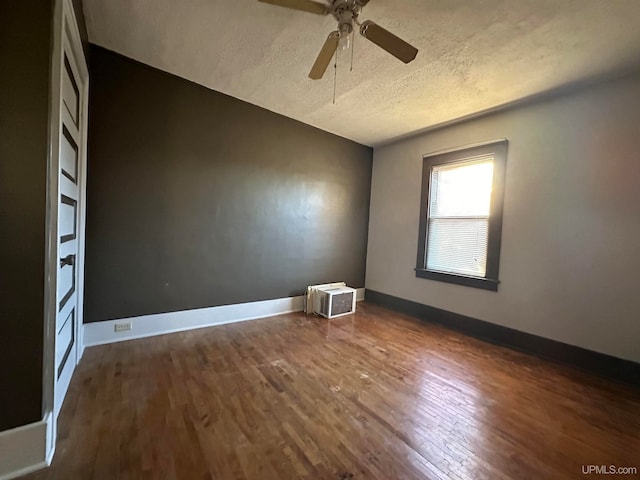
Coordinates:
(474,55)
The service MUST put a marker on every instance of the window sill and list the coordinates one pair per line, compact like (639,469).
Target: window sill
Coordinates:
(475,282)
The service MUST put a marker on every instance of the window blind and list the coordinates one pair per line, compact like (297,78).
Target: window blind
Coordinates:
(459,209)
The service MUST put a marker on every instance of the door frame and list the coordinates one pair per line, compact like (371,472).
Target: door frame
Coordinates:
(65,27)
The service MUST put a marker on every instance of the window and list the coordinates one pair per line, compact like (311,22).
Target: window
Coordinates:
(461,215)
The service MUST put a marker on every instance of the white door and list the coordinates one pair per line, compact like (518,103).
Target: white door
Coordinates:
(66,213)
(68,221)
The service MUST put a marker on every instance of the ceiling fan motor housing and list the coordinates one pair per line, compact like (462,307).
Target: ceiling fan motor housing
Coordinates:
(346,12)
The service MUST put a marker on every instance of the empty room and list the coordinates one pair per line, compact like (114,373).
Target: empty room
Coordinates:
(320,239)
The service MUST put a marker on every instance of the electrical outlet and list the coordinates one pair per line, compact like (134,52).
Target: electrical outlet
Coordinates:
(121,327)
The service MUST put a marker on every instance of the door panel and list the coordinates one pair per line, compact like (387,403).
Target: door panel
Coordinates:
(68,219)
(65,340)
(66,284)
(70,92)
(69,156)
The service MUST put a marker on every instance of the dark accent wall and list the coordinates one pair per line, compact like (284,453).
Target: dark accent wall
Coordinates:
(197,199)
(25,39)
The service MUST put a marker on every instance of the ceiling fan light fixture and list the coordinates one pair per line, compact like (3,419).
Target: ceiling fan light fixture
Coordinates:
(344,42)
(345,38)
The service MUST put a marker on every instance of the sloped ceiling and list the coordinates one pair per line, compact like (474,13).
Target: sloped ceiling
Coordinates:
(474,55)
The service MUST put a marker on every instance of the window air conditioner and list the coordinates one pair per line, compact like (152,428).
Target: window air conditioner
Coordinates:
(331,302)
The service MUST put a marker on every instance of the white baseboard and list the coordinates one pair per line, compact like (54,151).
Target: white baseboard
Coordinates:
(98,333)
(24,449)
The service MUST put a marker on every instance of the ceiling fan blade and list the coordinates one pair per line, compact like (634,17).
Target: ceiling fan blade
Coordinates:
(388,41)
(324,57)
(303,5)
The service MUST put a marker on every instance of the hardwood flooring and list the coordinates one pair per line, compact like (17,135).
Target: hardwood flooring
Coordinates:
(375,395)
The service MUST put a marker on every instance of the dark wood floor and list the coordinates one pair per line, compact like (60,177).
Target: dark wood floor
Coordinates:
(372,395)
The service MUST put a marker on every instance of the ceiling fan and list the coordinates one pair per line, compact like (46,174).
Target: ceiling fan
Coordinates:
(346,13)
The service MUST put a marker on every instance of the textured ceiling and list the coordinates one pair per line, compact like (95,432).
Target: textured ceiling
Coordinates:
(474,55)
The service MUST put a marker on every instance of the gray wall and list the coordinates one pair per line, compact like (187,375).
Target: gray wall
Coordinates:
(24,115)
(196,199)
(570,263)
